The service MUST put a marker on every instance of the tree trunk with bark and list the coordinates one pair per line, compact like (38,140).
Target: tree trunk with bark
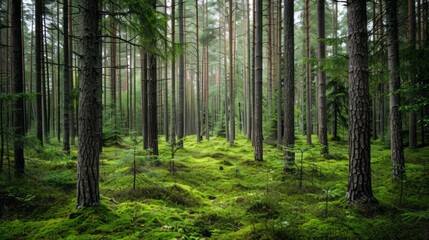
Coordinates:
(258,83)
(323,123)
(396,145)
(38,50)
(89,95)
(359,190)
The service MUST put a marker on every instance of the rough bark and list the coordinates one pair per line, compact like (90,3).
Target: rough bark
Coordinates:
(396,145)
(231,77)
(323,123)
(258,83)
(152,106)
(198,77)
(359,188)
(89,95)
(18,88)
(173,73)
(279,76)
(289,83)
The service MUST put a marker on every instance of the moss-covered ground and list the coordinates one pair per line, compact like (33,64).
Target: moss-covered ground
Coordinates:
(215,191)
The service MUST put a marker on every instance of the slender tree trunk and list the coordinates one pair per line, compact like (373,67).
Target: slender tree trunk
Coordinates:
(279,77)
(269,57)
(113,29)
(89,103)
(231,77)
(173,73)
(198,76)
(289,84)
(152,106)
(412,47)
(396,145)
(323,122)
(359,190)
(249,77)
(71,85)
(18,104)
(39,126)
(226,75)
(258,84)
(181,107)
(308,72)
(253,71)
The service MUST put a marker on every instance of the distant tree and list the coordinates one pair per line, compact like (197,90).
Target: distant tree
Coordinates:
(396,145)
(359,190)
(18,87)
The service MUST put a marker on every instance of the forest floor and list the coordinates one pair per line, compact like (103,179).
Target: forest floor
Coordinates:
(215,191)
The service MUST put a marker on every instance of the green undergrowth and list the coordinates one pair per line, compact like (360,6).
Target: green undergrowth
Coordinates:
(215,191)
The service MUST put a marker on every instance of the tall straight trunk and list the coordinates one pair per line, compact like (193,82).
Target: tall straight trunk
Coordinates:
(374,95)
(253,71)
(66,85)
(396,145)
(71,85)
(46,95)
(38,50)
(249,77)
(18,87)
(412,47)
(198,76)
(173,73)
(258,83)
(143,88)
(226,75)
(181,106)
(231,77)
(269,58)
(165,82)
(308,72)
(152,106)
(58,77)
(279,76)
(289,83)
(359,190)
(113,68)
(206,72)
(323,122)
(89,103)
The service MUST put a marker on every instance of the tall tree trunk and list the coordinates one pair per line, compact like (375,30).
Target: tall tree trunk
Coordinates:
(253,71)
(39,122)
(113,66)
(71,85)
(279,76)
(231,77)
(289,84)
(89,95)
(396,145)
(18,88)
(152,106)
(249,77)
(181,107)
(173,73)
(66,85)
(412,47)
(323,123)
(165,82)
(143,85)
(359,190)
(308,72)
(198,76)
(258,84)
(225,74)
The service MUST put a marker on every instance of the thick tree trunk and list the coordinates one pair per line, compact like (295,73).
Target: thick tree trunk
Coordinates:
(396,145)
(249,77)
(66,85)
(113,66)
(289,84)
(89,95)
(258,83)
(144,83)
(18,88)
(359,190)
(323,122)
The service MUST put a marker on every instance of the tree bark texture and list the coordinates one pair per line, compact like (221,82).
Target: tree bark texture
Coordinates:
(181,93)
(323,123)
(258,83)
(89,93)
(289,83)
(359,188)
(396,145)
(38,50)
